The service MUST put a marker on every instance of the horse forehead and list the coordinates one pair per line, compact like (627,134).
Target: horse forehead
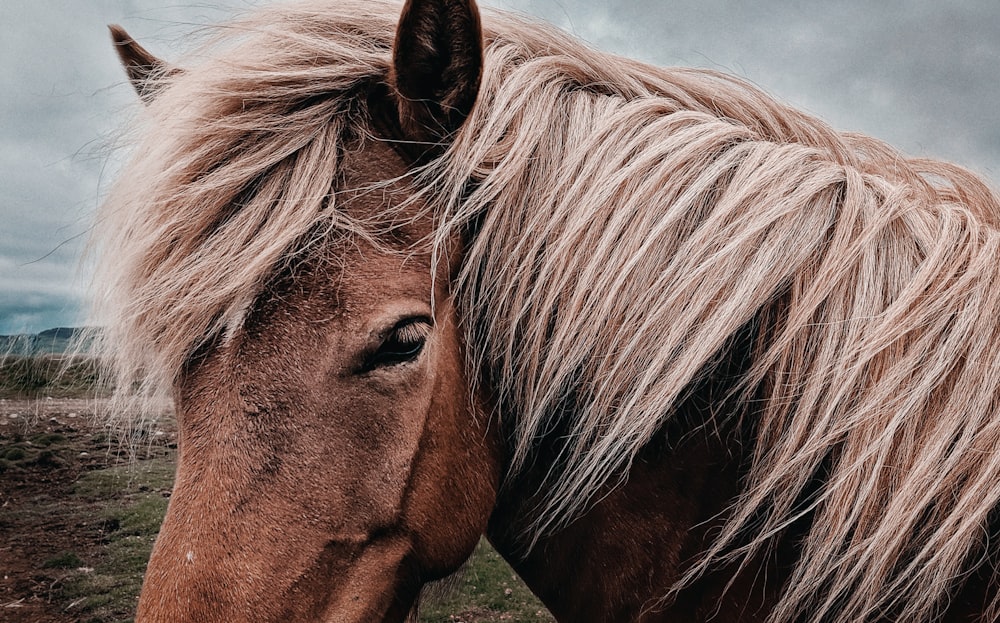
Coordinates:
(372,159)
(375,182)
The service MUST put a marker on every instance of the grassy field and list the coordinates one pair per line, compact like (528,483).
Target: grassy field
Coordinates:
(53,376)
(78,519)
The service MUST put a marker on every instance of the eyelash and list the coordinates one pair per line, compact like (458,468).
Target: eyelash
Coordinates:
(411,333)
(403,344)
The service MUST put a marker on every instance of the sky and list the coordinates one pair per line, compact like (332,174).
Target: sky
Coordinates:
(921,74)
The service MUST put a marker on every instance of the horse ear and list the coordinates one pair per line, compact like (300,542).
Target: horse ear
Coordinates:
(145,71)
(436,66)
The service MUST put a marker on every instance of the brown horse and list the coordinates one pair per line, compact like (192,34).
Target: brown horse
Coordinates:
(681,352)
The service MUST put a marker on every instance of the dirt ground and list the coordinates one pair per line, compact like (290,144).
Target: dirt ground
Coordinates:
(48,532)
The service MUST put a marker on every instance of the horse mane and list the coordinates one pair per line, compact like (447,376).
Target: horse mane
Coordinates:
(629,222)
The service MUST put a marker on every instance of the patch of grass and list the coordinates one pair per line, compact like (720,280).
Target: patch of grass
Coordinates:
(44,450)
(141,479)
(109,592)
(32,376)
(140,519)
(487,589)
(13,453)
(64,560)
(47,439)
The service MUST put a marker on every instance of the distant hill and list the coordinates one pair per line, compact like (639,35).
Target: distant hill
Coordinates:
(61,333)
(49,342)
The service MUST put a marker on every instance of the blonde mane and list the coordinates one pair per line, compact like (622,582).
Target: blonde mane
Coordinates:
(629,223)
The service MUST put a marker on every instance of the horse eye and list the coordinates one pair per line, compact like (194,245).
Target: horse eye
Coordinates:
(402,344)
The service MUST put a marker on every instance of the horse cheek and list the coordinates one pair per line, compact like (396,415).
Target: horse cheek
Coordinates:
(456,472)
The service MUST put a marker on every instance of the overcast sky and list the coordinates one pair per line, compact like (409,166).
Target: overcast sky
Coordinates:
(922,75)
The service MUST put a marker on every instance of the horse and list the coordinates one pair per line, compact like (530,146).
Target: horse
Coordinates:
(416,274)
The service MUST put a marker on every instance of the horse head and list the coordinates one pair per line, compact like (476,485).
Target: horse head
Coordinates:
(331,460)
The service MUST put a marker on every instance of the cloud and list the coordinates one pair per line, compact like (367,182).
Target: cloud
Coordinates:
(63,98)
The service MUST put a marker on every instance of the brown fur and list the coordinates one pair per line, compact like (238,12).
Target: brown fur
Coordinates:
(746,360)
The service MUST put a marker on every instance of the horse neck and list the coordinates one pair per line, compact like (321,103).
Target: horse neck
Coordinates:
(617,561)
